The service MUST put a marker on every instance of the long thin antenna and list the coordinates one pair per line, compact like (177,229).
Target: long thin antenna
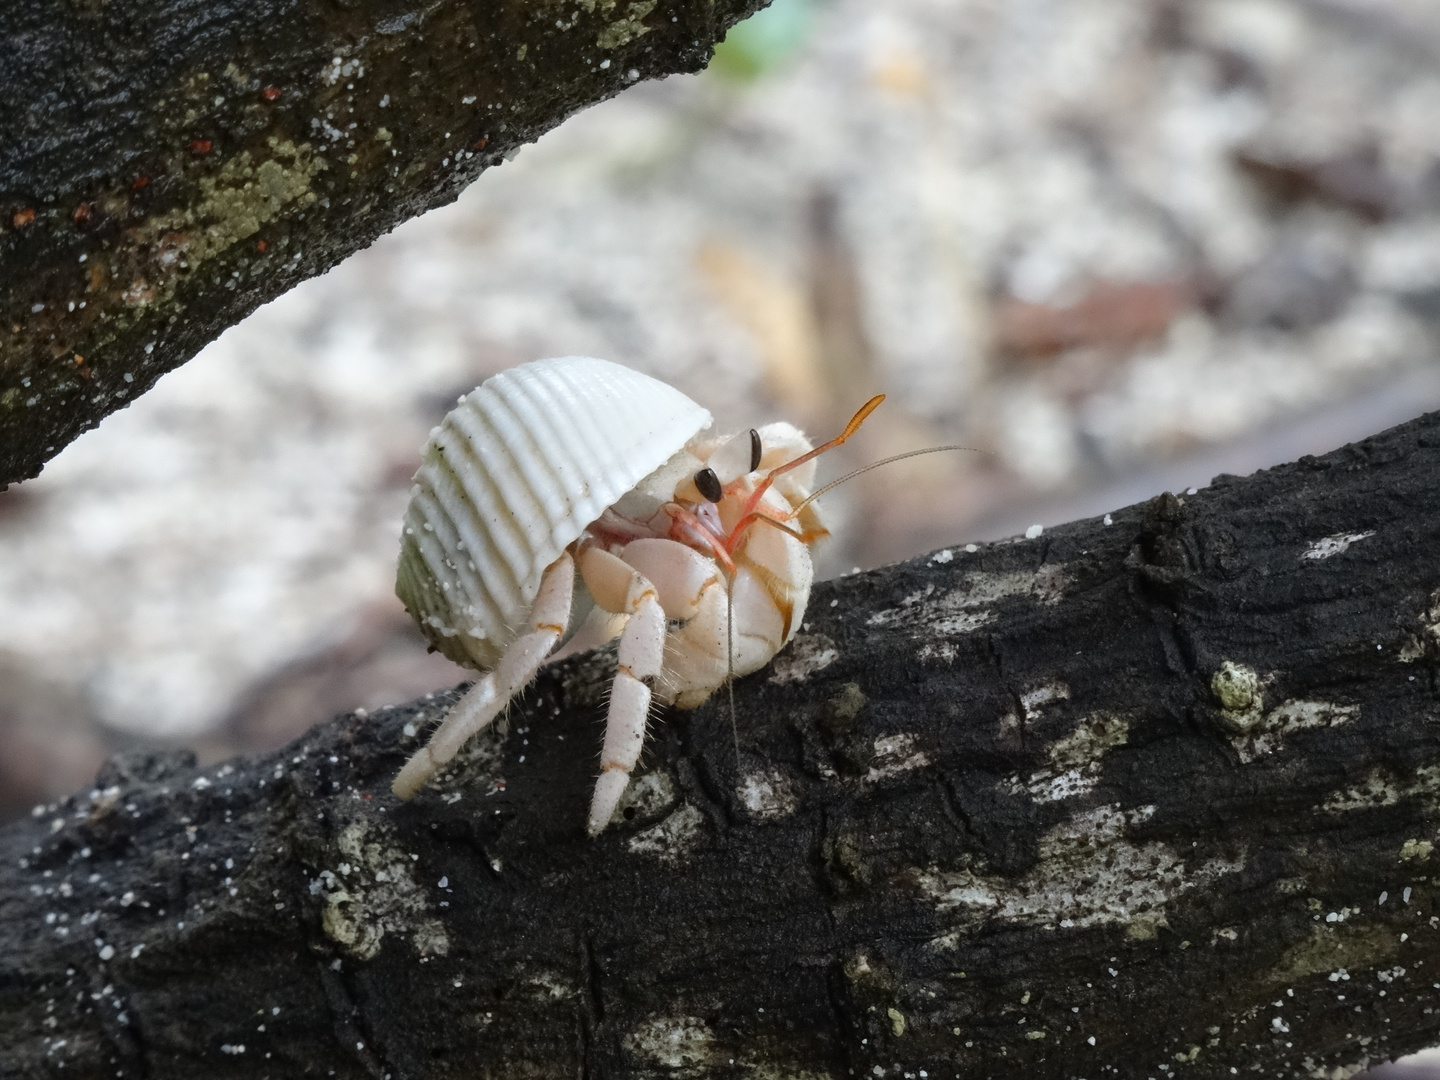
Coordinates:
(876,464)
(730,667)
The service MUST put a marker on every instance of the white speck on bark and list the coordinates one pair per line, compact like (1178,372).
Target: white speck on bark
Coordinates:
(548,986)
(383,898)
(895,754)
(1334,545)
(1092,738)
(1089,874)
(965,607)
(671,839)
(768,795)
(943,650)
(1072,782)
(1074,760)
(1379,788)
(807,654)
(1269,735)
(648,797)
(1044,694)
(674,1042)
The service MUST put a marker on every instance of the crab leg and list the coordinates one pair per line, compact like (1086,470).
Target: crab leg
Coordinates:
(483,702)
(599,628)
(621,588)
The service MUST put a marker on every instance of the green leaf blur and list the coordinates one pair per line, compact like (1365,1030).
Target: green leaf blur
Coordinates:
(762,42)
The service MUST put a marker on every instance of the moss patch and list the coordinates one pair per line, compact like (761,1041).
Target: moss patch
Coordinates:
(240,199)
(625,30)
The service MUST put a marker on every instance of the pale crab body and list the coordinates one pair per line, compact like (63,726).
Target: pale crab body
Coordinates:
(581,463)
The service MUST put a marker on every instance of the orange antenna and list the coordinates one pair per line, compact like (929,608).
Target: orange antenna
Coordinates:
(853,426)
(850,429)
(755,512)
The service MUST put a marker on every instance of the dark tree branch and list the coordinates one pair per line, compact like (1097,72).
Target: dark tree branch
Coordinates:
(166,167)
(1153,797)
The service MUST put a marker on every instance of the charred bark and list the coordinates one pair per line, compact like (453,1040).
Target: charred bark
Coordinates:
(1153,795)
(167,167)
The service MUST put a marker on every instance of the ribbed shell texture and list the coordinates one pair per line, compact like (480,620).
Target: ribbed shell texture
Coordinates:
(514,474)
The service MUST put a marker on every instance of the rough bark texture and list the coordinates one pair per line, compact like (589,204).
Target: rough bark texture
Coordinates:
(166,167)
(1157,796)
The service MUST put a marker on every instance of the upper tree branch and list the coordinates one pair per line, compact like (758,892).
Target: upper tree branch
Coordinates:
(1157,794)
(167,166)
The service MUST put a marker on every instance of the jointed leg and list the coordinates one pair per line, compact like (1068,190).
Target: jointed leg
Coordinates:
(599,628)
(619,587)
(483,702)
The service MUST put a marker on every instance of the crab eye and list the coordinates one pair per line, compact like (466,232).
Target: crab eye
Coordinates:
(709,485)
(755,449)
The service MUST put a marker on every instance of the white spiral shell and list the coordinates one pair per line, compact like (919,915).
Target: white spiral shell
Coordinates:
(512,476)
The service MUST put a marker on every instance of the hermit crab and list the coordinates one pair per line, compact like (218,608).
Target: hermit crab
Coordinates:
(694,551)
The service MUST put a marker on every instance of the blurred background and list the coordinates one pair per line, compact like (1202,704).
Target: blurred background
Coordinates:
(1119,245)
